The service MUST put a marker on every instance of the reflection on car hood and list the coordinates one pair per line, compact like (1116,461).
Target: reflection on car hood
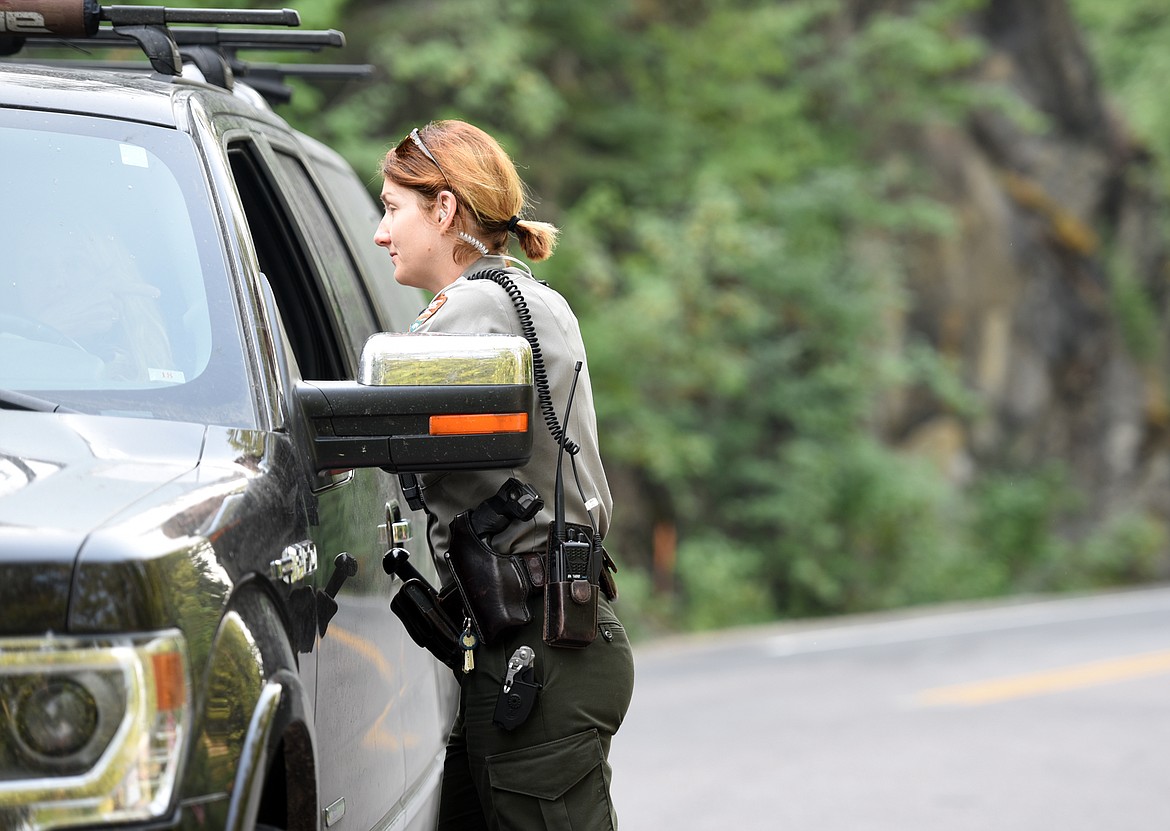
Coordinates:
(64,476)
(70,473)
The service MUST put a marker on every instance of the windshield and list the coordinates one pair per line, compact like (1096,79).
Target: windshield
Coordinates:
(114,294)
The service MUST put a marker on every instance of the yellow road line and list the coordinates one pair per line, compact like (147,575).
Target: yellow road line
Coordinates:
(1050,681)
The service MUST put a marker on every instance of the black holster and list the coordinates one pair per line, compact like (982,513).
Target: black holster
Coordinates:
(494,586)
(430,619)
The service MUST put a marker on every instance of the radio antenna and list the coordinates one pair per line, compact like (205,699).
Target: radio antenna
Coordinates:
(559,490)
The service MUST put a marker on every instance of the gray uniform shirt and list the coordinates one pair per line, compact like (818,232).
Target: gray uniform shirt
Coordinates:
(484,307)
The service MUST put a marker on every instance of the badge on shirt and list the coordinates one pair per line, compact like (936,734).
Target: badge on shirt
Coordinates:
(429,312)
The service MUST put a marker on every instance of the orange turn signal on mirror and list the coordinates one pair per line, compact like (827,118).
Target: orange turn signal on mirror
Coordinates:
(479,424)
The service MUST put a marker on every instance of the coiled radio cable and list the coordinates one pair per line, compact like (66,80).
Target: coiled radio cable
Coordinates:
(539,374)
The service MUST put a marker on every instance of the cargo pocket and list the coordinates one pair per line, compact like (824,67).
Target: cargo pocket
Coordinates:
(560,785)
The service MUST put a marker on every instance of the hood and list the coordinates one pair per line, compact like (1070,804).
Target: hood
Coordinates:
(61,478)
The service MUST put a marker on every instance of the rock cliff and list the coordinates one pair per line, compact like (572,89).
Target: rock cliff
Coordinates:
(1050,297)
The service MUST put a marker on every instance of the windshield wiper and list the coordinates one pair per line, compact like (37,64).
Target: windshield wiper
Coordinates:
(13,400)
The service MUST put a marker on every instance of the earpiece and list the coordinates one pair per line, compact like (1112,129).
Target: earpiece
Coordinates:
(473,242)
(442,215)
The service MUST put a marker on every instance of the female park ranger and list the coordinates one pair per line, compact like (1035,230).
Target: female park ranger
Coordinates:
(452,200)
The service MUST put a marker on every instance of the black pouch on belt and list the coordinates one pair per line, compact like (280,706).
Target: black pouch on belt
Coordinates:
(427,618)
(570,596)
(494,586)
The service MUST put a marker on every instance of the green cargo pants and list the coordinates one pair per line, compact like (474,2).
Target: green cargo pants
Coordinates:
(551,772)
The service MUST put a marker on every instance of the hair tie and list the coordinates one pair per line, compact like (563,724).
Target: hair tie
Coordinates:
(512,223)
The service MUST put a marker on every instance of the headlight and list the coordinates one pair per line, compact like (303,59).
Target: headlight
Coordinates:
(90,728)
(55,718)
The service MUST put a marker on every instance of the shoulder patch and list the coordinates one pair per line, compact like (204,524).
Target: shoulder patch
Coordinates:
(428,312)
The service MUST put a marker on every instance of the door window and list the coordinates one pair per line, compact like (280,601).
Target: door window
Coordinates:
(310,320)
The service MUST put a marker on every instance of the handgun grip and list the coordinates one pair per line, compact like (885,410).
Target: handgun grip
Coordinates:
(396,563)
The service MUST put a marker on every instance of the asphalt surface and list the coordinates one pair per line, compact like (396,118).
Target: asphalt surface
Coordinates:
(1022,716)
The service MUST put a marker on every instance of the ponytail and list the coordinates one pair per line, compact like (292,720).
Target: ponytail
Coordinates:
(537,239)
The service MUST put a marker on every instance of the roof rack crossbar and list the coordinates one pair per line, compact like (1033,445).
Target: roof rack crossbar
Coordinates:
(243,69)
(312,39)
(322,71)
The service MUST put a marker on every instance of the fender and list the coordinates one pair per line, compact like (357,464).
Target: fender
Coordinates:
(277,733)
(256,721)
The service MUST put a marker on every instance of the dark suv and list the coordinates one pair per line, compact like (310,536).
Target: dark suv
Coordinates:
(195,628)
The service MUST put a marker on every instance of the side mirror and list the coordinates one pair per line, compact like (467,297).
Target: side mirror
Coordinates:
(426,402)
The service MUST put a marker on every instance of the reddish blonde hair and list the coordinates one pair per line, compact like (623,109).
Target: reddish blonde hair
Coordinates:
(487,188)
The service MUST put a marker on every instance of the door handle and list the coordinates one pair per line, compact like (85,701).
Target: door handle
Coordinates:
(344,567)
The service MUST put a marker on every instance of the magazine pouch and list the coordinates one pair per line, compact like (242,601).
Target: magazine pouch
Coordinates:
(493,586)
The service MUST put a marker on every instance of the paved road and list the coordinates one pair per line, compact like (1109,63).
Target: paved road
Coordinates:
(1051,714)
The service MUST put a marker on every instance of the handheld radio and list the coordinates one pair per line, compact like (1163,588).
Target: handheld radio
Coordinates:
(573,547)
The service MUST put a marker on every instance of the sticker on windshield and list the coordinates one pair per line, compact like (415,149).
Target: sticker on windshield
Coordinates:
(134,156)
(172,376)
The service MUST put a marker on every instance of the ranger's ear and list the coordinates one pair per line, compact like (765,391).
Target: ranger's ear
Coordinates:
(447,205)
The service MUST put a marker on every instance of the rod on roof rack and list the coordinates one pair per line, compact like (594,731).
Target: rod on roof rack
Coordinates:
(162,15)
(306,41)
(80,18)
(50,18)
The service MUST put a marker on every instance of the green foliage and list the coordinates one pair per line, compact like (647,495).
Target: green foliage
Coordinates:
(1136,315)
(657,612)
(863,527)
(730,201)
(720,586)
(1014,527)
(868,528)
(1126,550)
(1013,522)
(733,179)
(1128,39)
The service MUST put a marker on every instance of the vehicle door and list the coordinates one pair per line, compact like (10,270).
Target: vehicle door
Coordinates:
(427,720)
(359,672)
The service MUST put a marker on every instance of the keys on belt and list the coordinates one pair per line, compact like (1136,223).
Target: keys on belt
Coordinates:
(469,642)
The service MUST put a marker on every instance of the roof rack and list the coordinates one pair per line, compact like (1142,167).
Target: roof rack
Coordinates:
(77,23)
